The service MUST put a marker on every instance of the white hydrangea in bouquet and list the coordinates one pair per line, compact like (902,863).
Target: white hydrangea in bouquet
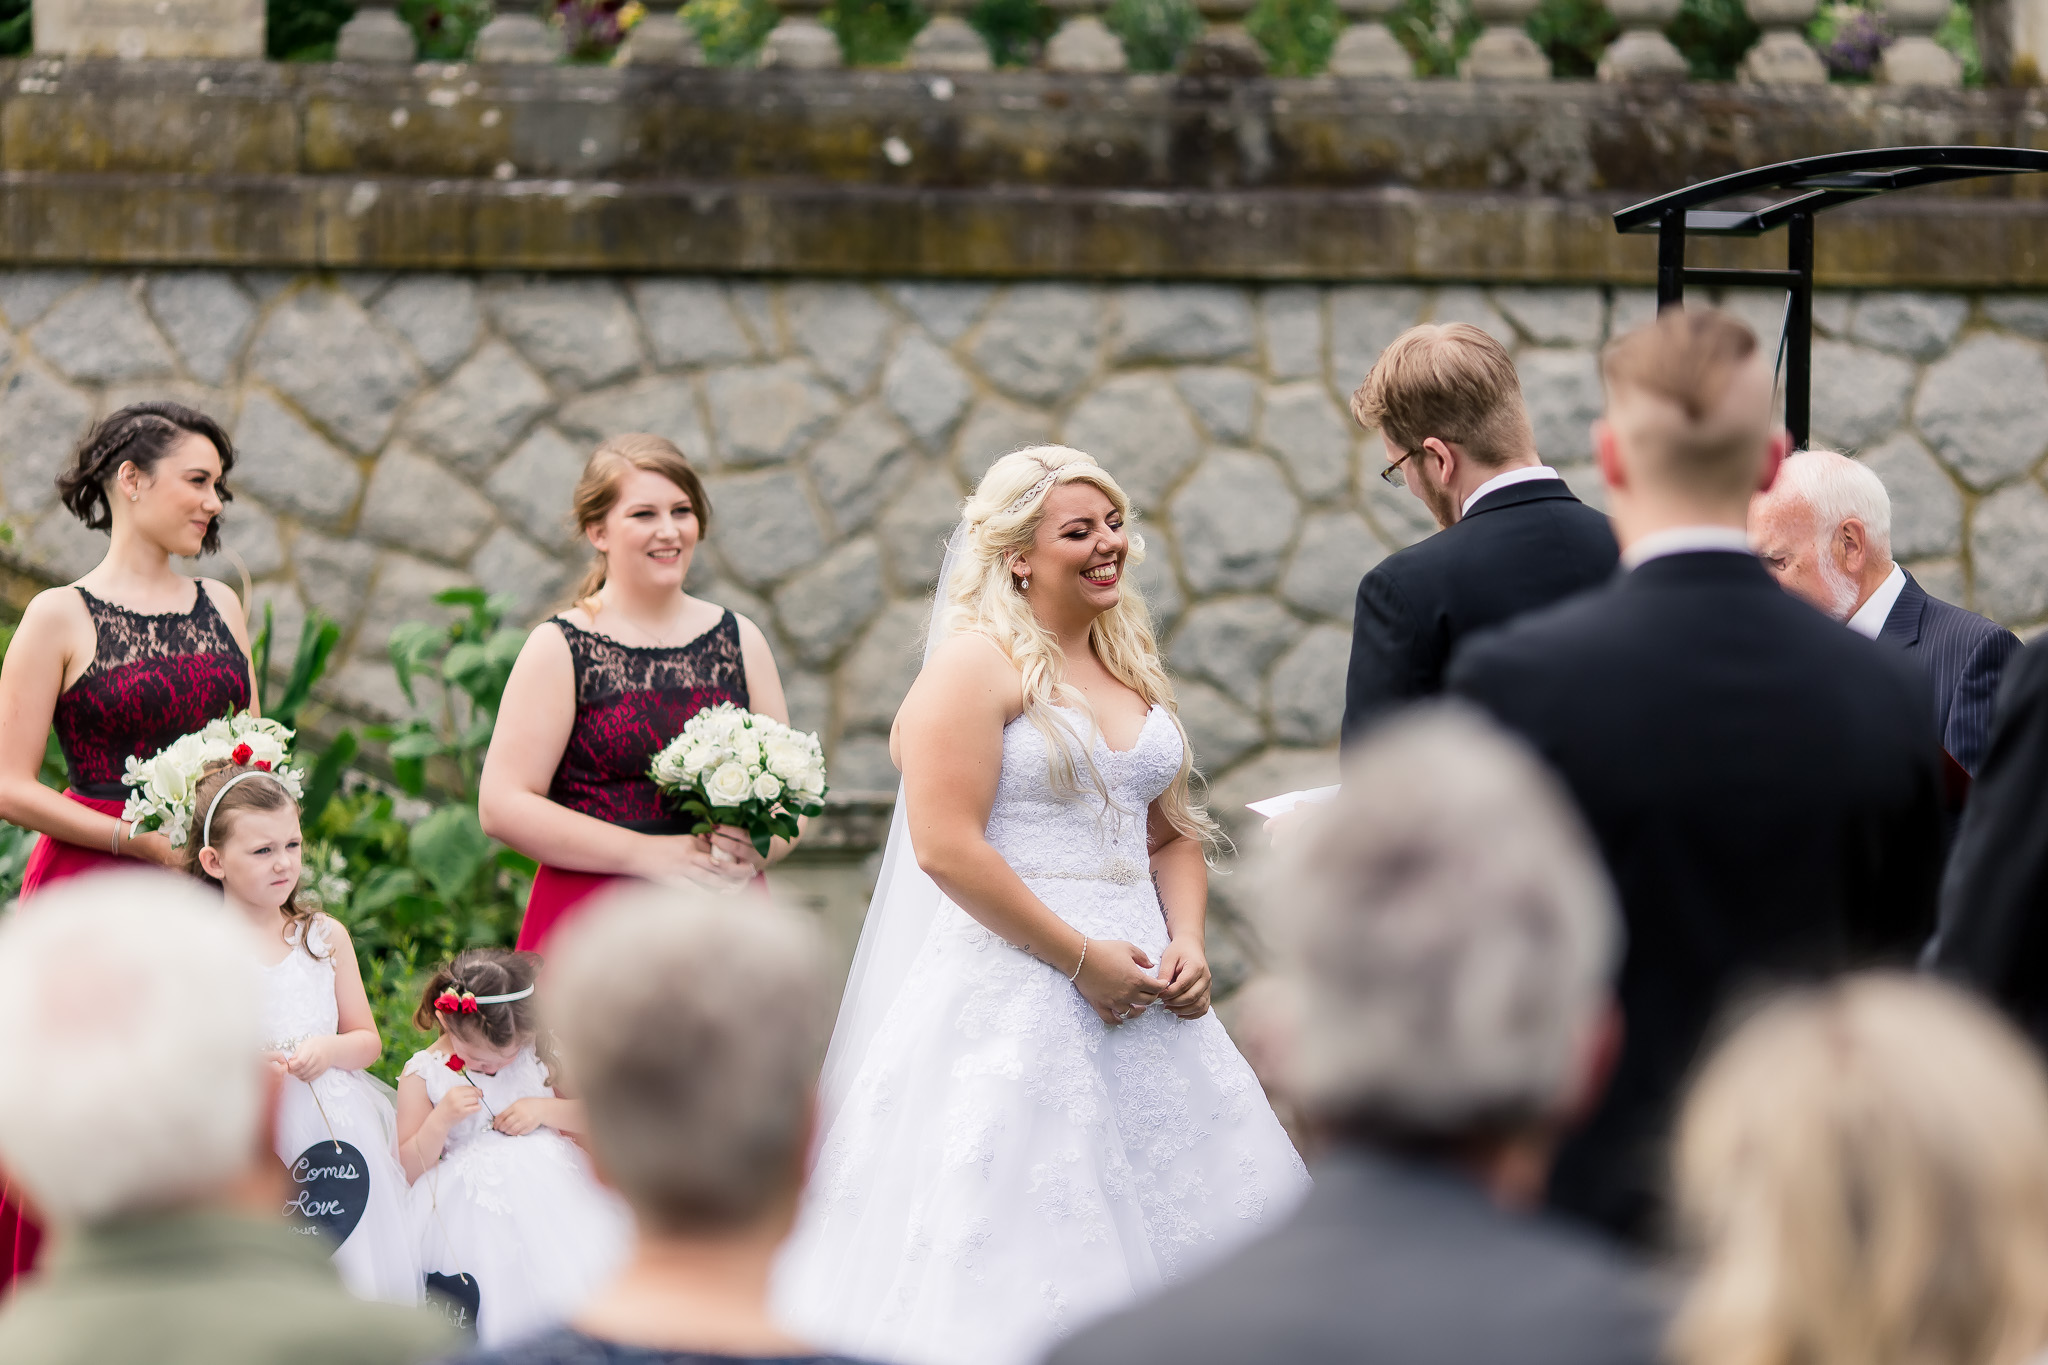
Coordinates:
(744,769)
(164,784)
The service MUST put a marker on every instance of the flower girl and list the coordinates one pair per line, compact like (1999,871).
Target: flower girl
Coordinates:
(246,839)
(500,1196)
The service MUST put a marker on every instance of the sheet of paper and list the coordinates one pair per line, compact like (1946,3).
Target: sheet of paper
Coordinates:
(1287,801)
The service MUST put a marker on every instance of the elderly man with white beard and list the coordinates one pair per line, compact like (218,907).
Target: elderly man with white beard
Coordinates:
(1824,530)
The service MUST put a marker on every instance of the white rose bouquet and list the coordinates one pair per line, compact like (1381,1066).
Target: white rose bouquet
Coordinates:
(162,799)
(741,768)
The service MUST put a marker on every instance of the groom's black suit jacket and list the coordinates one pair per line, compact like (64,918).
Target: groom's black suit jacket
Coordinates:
(1765,786)
(1519,548)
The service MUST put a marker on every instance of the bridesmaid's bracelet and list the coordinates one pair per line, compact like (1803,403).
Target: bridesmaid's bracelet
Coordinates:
(115,842)
(1077,966)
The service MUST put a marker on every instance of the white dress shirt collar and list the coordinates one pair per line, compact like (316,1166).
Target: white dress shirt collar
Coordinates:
(1870,617)
(1523,474)
(1685,540)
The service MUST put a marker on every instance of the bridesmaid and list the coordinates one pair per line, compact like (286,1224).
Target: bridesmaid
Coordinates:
(122,662)
(601,688)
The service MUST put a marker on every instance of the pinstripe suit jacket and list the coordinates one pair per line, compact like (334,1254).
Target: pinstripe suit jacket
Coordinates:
(1964,656)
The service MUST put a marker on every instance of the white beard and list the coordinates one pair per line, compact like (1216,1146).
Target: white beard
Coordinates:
(1840,588)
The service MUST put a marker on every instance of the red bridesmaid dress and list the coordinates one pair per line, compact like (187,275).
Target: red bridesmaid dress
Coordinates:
(630,702)
(152,679)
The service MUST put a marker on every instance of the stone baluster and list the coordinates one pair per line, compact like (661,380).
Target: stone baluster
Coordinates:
(518,36)
(661,38)
(1914,58)
(375,34)
(1642,52)
(1367,48)
(1083,43)
(1224,48)
(1782,56)
(801,40)
(1504,51)
(948,43)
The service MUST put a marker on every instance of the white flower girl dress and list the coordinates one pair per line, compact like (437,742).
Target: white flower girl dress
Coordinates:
(523,1216)
(379,1259)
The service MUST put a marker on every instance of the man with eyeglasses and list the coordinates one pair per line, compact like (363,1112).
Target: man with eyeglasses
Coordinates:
(1448,406)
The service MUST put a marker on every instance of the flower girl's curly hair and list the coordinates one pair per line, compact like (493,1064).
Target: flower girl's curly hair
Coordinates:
(1000,521)
(258,793)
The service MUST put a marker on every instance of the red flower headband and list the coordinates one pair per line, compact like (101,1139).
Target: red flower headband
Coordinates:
(453,1000)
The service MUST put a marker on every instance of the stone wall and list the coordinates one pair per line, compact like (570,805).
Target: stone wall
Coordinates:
(404,433)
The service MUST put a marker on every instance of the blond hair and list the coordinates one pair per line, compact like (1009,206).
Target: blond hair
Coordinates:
(1865,1167)
(1448,380)
(999,522)
(1688,360)
(597,492)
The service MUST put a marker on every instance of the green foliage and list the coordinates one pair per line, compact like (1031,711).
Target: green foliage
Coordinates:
(445,28)
(730,31)
(1573,34)
(467,662)
(16,843)
(875,32)
(304,30)
(1958,33)
(1155,32)
(15,41)
(1713,35)
(1297,35)
(1435,32)
(1015,30)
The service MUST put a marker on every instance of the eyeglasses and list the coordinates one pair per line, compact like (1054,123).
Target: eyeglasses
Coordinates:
(1392,472)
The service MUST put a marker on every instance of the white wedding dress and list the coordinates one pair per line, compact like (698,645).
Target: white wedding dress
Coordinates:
(1002,1166)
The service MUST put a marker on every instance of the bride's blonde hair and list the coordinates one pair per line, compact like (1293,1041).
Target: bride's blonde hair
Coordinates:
(999,522)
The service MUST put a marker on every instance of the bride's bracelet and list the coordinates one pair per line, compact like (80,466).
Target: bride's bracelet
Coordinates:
(1084,957)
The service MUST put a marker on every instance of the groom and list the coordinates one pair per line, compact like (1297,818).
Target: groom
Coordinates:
(1448,406)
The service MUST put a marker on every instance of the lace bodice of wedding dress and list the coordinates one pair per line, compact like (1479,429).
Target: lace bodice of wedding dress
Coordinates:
(1005,1166)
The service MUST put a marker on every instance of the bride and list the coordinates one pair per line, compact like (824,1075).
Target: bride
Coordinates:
(1029,1114)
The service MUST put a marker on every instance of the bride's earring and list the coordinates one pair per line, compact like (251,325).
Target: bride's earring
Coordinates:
(1023,582)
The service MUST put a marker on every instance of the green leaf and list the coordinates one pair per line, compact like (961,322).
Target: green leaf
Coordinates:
(410,774)
(259,649)
(412,642)
(763,840)
(462,597)
(326,776)
(382,887)
(317,640)
(449,848)
(420,744)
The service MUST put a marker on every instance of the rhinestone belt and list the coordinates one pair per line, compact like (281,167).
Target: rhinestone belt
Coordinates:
(1119,871)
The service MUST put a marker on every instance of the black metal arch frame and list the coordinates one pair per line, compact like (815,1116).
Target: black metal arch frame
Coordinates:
(1818,183)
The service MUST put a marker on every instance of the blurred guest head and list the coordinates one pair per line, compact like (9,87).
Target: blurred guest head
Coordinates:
(1447,404)
(1450,935)
(694,1026)
(1688,433)
(1824,530)
(1862,1166)
(130,1011)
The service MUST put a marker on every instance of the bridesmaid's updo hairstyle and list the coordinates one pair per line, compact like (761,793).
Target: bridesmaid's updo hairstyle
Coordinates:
(597,492)
(258,793)
(484,971)
(141,434)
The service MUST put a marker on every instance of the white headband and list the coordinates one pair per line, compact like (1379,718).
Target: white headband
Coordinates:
(502,999)
(206,830)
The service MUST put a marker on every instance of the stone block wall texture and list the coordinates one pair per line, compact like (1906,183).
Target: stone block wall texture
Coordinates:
(400,434)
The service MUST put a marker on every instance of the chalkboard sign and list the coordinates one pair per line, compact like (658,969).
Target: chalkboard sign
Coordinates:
(458,1297)
(330,1190)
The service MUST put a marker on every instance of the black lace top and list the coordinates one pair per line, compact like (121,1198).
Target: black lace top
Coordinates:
(152,679)
(630,703)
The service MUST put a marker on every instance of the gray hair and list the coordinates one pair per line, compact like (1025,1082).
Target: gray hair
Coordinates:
(1837,488)
(130,1045)
(1449,932)
(693,1026)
